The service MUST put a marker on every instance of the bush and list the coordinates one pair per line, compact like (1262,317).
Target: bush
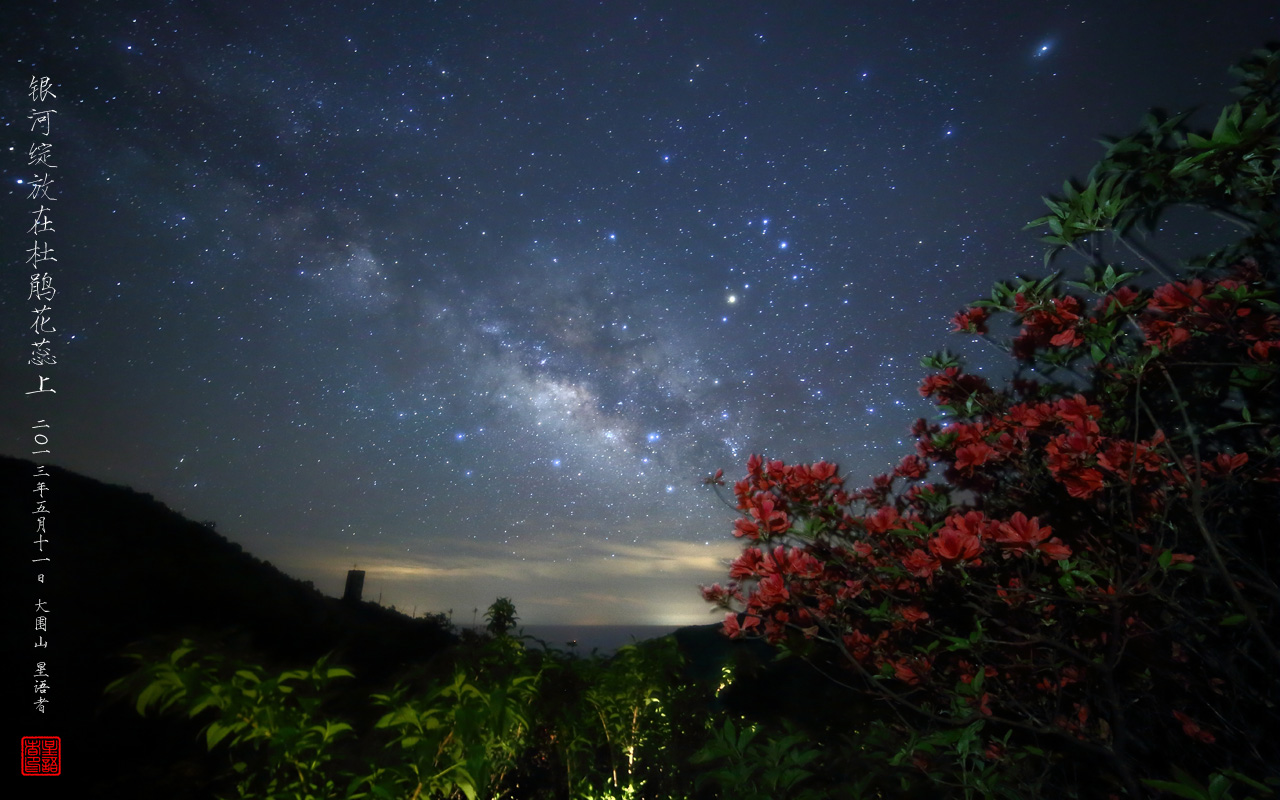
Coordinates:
(1089,595)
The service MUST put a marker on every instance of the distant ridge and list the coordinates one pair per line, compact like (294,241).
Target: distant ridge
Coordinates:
(125,567)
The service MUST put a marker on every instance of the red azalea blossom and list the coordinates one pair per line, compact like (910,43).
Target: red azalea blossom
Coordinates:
(1082,483)
(863,571)
(1071,337)
(769,519)
(1122,299)
(1025,415)
(913,614)
(734,629)
(911,467)
(1192,728)
(973,455)
(1164,333)
(909,670)
(921,564)
(1021,532)
(1176,296)
(973,320)
(1225,464)
(747,564)
(1261,351)
(884,519)
(743,527)
(952,546)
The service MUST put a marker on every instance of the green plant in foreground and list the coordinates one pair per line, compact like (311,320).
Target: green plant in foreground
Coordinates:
(275,723)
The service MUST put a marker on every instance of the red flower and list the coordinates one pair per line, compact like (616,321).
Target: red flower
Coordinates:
(1022,535)
(1076,410)
(973,320)
(1261,350)
(1176,296)
(745,527)
(912,614)
(1028,416)
(733,629)
(1082,484)
(746,565)
(1163,333)
(885,518)
(772,590)
(972,523)
(1120,300)
(1192,728)
(716,593)
(907,671)
(1054,549)
(973,455)
(912,467)
(1225,464)
(921,564)
(824,472)
(769,518)
(1069,338)
(952,546)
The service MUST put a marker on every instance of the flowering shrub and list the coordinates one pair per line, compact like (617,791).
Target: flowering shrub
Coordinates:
(1095,574)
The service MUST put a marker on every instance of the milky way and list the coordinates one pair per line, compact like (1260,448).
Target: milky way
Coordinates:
(472,294)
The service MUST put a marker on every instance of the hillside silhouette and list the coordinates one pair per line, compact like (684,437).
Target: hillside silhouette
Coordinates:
(126,570)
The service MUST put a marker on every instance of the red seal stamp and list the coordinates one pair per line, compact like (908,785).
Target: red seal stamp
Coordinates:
(41,755)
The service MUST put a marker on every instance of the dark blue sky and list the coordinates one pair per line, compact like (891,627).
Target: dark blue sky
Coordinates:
(472,294)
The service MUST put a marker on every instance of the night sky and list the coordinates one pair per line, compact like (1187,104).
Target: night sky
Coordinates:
(471,295)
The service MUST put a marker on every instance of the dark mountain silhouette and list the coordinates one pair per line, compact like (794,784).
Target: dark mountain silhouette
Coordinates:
(125,568)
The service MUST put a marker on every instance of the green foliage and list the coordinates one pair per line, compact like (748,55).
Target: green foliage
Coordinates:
(275,722)
(1219,786)
(462,736)
(501,616)
(1231,171)
(487,720)
(745,765)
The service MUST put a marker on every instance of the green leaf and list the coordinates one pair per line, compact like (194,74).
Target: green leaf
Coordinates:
(216,732)
(1245,779)
(150,695)
(1179,789)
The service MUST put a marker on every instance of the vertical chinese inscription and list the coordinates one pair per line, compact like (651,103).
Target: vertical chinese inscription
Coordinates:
(41,755)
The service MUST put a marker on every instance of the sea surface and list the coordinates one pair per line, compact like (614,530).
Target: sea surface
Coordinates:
(605,639)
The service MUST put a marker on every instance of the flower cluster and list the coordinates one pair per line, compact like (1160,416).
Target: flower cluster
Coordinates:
(1045,565)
